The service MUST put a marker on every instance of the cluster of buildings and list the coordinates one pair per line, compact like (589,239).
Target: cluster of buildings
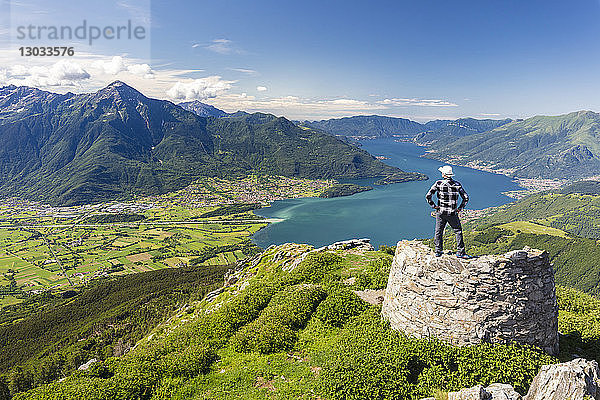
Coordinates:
(251,189)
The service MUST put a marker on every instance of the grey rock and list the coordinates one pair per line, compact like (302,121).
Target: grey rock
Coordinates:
(574,380)
(361,244)
(502,391)
(495,391)
(88,364)
(474,393)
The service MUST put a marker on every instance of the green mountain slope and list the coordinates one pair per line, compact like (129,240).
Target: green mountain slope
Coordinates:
(565,146)
(374,126)
(368,125)
(574,209)
(294,330)
(73,149)
(446,131)
(102,320)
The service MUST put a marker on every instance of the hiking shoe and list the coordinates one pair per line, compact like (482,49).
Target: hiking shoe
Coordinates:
(464,256)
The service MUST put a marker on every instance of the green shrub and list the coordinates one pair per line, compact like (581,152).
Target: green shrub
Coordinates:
(188,362)
(299,303)
(579,323)
(369,360)
(340,305)
(375,275)
(273,330)
(314,268)
(388,249)
(264,338)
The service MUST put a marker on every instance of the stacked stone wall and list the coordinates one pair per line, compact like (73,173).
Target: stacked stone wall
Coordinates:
(495,298)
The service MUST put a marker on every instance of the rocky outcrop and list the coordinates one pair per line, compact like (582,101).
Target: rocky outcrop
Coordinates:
(496,391)
(502,391)
(358,244)
(474,393)
(494,298)
(575,380)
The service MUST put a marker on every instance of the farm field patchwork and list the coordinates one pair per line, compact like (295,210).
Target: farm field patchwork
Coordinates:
(208,223)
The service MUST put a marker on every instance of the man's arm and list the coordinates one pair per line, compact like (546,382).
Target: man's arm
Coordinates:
(465,198)
(430,194)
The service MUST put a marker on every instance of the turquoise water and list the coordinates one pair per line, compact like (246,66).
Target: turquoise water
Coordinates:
(387,213)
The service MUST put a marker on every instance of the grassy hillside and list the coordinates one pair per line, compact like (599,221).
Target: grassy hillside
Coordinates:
(568,210)
(564,146)
(290,330)
(47,338)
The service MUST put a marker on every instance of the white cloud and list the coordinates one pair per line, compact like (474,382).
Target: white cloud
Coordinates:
(61,73)
(195,45)
(489,114)
(86,72)
(117,65)
(296,107)
(417,102)
(261,88)
(111,67)
(141,70)
(199,89)
(244,71)
(222,46)
(137,10)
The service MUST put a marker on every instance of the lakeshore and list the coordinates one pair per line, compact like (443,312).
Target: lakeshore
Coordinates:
(385,214)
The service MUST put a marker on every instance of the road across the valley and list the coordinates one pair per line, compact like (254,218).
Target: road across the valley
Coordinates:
(133,224)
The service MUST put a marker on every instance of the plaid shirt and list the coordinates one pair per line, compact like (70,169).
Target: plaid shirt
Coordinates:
(447,193)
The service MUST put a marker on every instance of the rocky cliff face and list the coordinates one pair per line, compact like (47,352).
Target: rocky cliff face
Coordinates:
(495,298)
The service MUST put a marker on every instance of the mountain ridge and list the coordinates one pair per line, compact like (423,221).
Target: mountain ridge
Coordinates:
(80,148)
(202,109)
(562,146)
(384,126)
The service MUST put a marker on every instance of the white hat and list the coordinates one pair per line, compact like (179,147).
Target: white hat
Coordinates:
(446,170)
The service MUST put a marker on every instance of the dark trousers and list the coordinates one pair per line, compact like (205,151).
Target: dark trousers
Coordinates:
(440,224)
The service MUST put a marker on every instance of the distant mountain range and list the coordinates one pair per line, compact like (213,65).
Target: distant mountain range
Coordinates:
(73,149)
(376,126)
(564,146)
(116,142)
(367,126)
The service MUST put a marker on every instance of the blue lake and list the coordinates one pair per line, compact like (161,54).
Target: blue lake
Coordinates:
(385,214)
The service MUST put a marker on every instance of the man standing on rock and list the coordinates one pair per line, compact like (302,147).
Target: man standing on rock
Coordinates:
(447,209)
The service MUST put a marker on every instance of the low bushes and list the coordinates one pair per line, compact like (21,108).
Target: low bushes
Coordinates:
(579,323)
(315,268)
(340,305)
(274,329)
(369,360)
(375,275)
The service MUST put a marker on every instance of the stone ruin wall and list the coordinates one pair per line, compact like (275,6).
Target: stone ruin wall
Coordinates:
(494,298)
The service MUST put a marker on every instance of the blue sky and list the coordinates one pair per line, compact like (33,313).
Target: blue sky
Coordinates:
(317,59)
